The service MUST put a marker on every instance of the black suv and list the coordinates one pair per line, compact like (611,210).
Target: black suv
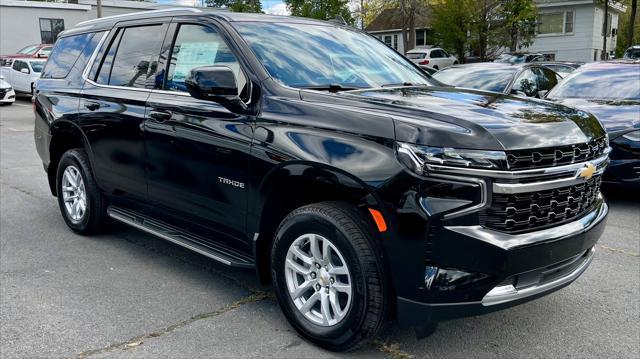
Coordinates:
(312,152)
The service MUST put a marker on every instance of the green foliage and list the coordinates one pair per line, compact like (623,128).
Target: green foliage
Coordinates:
(624,22)
(237,5)
(321,9)
(484,26)
(451,23)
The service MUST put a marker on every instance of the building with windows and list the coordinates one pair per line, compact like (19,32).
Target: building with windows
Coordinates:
(573,30)
(567,30)
(25,23)
(388,27)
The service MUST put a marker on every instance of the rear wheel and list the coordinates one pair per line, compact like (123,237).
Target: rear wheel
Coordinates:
(327,276)
(82,204)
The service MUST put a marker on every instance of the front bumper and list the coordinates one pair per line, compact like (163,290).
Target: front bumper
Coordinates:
(7,96)
(523,267)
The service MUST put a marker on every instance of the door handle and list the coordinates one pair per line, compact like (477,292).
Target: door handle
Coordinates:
(92,106)
(160,116)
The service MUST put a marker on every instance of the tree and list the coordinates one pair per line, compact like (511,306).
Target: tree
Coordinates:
(520,20)
(236,5)
(321,9)
(628,27)
(451,24)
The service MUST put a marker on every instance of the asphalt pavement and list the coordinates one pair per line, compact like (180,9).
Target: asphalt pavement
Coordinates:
(128,294)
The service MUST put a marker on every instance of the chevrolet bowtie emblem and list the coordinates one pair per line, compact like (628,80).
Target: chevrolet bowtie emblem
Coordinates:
(587,171)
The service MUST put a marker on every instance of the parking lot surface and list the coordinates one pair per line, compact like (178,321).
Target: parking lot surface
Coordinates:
(128,294)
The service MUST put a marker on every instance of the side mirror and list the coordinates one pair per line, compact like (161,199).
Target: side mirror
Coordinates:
(215,83)
(24,71)
(543,93)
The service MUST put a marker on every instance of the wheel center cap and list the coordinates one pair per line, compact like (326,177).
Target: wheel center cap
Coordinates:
(324,277)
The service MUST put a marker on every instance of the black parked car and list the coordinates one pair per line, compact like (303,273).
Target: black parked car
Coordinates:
(562,68)
(519,58)
(611,91)
(348,180)
(528,80)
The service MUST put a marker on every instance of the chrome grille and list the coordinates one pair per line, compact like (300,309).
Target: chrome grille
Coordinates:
(556,156)
(522,212)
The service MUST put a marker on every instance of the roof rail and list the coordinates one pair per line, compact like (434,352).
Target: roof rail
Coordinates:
(151,12)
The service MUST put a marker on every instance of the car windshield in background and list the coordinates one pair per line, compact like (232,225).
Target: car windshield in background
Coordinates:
(632,54)
(602,82)
(416,55)
(477,77)
(304,55)
(37,66)
(29,50)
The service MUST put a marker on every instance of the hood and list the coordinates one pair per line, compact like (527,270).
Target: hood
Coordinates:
(442,116)
(615,115)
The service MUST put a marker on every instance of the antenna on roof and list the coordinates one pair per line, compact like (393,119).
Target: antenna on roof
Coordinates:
(339,20)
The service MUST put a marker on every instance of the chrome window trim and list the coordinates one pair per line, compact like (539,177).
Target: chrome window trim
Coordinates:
(432,169)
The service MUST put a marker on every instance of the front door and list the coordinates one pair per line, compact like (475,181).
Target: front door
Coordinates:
(197,150)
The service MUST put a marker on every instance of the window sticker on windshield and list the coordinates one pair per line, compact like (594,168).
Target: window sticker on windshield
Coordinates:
(194,54)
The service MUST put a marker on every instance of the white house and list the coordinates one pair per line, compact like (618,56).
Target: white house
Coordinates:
(388,27)
(572,30)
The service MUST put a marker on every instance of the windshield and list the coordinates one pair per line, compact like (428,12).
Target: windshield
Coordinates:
(37,66)
(606,82)
(632,54)
(29,50)
(416,55)
(303,55)
(477,77)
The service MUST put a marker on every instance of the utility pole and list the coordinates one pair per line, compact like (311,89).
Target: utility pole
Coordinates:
(99,8)
(605,27)
(632,22)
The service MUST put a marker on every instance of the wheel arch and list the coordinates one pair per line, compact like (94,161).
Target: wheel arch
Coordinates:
(292,186)
(64,135)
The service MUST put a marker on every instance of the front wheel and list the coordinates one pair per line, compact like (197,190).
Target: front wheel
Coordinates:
(327,276)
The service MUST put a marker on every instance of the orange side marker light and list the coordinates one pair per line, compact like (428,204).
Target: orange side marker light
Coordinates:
(377,217)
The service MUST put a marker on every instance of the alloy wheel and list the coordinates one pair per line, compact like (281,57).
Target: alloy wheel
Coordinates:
(318,279)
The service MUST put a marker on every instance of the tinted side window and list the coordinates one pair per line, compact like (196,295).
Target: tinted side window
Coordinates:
(136,56)
(196,46)
(527,83)
(65,54)
(546,79)
(103,66)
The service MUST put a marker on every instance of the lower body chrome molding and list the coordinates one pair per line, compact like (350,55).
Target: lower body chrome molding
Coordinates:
(507,293)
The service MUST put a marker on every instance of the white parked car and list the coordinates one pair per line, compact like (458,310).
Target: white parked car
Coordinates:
(7,95)
(434,57)
(23,74)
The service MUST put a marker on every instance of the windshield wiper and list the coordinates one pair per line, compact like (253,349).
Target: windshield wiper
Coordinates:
(402,84)
(330,87)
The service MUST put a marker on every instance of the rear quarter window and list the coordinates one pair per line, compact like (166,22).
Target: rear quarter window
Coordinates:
(65,54)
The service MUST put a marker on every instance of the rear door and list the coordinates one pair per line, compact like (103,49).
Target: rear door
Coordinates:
(197,150)
(112,106)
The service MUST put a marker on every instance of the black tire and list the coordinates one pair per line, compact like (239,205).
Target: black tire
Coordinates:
(95,215)
(455,62)
(354,238)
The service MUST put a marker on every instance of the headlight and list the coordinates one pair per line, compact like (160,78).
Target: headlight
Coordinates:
(632,136)
(416,157)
